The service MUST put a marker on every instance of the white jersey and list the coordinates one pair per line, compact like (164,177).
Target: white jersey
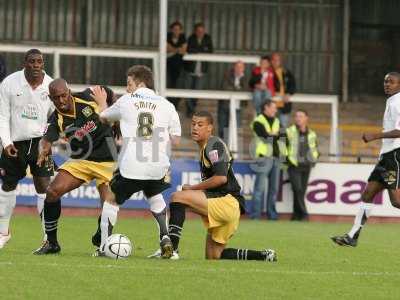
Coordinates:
(391,121)
(147,121)
(23,111)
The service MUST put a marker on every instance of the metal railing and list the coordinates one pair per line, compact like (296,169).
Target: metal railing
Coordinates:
(232,96)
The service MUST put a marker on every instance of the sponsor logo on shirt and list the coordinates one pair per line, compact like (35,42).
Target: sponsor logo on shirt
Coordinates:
(213,156)
(87,111)
(30,112)
(85,129)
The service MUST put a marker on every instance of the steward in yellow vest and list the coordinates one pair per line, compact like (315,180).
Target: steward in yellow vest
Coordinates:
(301,146)
(268,137)
(302,156)
(270,151)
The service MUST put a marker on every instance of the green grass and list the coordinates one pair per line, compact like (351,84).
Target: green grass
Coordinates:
(309,266)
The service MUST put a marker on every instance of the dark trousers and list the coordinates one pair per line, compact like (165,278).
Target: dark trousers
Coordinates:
(193,83)
(224,117)
(173,73)
(299,179)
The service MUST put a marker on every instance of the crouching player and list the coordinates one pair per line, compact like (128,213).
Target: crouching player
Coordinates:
(216,199)
(91,144)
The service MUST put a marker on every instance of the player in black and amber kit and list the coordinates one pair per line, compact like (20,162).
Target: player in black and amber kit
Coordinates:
(216,198)
(91,143)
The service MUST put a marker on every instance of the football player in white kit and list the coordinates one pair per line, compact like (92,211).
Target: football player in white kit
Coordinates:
(386,174)
(24,109)
(149,123)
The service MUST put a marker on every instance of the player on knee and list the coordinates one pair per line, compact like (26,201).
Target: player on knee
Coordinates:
(148,124)
(24,109)
(386,173)
(91,153)
(216,199)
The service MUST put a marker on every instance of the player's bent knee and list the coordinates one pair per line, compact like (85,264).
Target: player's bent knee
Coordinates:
(53,194)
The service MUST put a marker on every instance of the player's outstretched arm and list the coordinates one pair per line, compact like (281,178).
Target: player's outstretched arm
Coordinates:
(44,151)
(393,134)
(211,183)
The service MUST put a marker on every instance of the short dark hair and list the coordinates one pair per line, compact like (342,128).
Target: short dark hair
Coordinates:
(265,57)
(205,114)
(31,52)
(141,73)
(197,25)
(267,102)
(302,111)
(176,23)
(394,74)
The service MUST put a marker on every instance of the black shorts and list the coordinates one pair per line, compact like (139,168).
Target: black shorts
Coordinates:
(124,188)
(14,168)
(387,170)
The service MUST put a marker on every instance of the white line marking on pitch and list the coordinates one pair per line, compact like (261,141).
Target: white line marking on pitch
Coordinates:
(172,267)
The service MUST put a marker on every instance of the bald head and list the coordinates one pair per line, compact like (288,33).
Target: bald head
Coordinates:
(58,84)
(60,94)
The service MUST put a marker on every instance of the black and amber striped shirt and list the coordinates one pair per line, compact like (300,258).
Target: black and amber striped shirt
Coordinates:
(88,138)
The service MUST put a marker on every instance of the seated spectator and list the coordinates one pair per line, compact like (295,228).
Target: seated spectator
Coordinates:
(3,72)
(262,83)
(176,48)
(198,42)
(234,80)
(285,85)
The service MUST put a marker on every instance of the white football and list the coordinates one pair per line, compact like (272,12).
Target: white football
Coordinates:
(118,246)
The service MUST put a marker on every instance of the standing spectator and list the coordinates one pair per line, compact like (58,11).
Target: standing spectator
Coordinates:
(176,48)
(285,86)
(3,71)
(198,42)
(234,80)
(302,156)
(269,149)
(262,83)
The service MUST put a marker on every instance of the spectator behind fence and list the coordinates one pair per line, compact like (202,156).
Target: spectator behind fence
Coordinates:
(262,83)
(198,42)
(176,48)
(285,85)
(302,156)
(3,71)
(269,149)
(234,80)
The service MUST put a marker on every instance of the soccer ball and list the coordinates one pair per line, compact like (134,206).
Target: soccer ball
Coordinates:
(118,246)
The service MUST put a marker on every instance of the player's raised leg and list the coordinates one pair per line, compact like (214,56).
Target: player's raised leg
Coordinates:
(62,184)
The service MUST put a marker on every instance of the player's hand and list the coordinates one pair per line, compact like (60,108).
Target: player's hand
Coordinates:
(368,137)
(186,187)
(99,95)
(43,158)
(11,151)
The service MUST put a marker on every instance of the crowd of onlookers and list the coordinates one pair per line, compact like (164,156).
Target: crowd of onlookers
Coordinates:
(278,145)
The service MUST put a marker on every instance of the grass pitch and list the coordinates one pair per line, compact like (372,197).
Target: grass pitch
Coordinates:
(309,265)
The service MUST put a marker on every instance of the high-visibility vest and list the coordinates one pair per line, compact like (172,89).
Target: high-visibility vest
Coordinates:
(293,145)
(262,147)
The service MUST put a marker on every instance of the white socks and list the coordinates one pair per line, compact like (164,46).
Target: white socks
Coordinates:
(7,204)
(158,209)
(157,203)
(361,217)
(39,206)
(108,220)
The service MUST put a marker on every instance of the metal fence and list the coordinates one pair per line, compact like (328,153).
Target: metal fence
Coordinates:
(308,32)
